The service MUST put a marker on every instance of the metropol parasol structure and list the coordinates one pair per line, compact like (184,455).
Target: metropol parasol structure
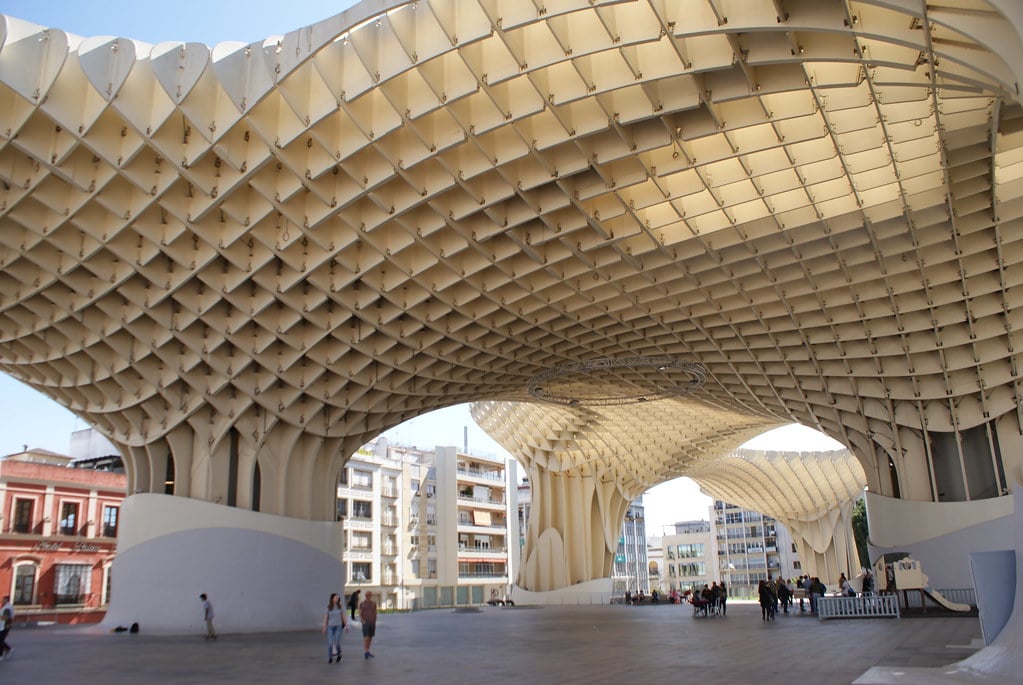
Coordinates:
(635,234)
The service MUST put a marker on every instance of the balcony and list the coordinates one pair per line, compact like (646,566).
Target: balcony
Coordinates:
(482,574)
(479,473)
(466,550)
(469,524)
(26,529)
(490,501)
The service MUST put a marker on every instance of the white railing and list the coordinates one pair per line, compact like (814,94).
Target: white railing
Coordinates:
(872,606)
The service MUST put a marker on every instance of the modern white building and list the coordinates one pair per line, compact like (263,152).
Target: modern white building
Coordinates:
(689,556)
(427,528)
(750,547)
(736,546)
(631,571)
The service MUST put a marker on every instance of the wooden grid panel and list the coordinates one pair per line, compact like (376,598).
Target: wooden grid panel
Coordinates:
(386,213)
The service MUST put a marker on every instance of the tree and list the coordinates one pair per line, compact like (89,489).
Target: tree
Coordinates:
(861,533)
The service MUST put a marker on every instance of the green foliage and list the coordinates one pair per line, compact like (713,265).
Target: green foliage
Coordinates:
(860,531)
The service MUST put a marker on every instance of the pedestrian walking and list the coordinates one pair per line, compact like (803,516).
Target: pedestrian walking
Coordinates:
(6,620)
(353,602)
(333,623)
(368,616)
(207,616)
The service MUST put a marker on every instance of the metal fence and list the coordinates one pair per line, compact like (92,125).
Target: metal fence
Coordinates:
(870,606)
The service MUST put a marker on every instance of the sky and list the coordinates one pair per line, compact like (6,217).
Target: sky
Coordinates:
(29,418)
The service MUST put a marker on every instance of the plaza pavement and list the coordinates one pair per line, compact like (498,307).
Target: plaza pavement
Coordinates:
(558,645)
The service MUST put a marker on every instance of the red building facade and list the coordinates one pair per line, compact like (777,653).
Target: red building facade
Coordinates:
(58,536)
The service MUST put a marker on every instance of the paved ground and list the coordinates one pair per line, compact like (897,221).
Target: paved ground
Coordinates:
(562,645)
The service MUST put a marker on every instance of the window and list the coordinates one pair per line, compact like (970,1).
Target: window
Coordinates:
(71,583)
(362,540)
(414,485)
(69,518)
(342,509)
(362,509)
(415,567)
(23,515)
(343,480)
(25,584)
(107,584)
(431,567)
(431,514)
(692,570)
(110,522)
(431,543)
(691,550)
(362,479)
(431,489)
(362,571)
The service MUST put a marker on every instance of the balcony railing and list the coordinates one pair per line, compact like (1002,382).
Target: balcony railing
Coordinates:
(492,526)
(462,497)
(478,473)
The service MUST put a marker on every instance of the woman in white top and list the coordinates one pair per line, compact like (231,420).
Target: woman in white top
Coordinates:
(333,622)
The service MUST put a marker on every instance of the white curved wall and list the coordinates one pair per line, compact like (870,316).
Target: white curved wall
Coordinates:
(941,535)
(261,572)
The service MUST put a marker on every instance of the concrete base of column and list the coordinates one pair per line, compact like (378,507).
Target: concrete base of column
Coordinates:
(261,572)
(590,592)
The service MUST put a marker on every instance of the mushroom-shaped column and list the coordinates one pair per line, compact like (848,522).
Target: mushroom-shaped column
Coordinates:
(587,463)
(238,509)
(811,493)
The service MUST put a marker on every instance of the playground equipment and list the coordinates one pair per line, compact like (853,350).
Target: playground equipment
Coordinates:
(902,572)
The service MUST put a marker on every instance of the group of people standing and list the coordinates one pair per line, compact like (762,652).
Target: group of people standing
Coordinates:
(773,593)
(334,622)
(778,593)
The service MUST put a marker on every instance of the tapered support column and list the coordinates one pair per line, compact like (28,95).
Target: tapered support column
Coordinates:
(574,523)
(827,545)
(262,572)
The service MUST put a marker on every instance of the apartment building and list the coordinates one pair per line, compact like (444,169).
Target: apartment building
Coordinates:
(426,528)
(688,556)
(58,530)
(750,547)
(630,571)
